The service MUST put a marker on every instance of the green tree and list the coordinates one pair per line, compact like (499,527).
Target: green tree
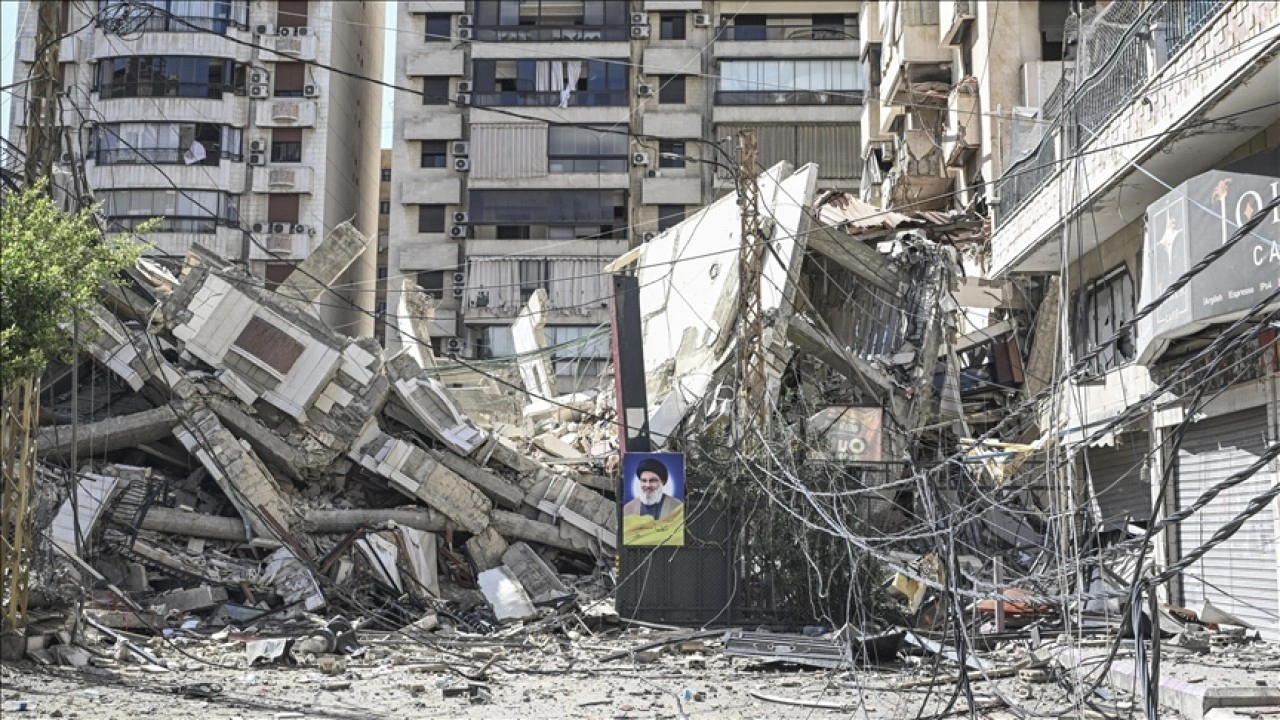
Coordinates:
(52,266)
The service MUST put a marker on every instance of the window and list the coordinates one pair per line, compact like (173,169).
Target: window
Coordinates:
(165,76)
(291,13)
(533,275)
(386,174)
(180,211)
(669,216)
(585,149)
(671,26)
(807,82)
(512,232)
(543,82)
(438,27)
(550,20)
(163,143)
(435,90)
(384,208)
(289,79)
(432,283)
(381,308)
(670,147)
(269,344)
(749,27)
(283,208)
(286,145)
(671,90)
(430,218)
(276,273)
(547,207)
(382,272)
(434,154)
(1101,308)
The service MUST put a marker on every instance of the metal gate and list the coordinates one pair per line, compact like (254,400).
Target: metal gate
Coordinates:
(1240,575)
(1120,480)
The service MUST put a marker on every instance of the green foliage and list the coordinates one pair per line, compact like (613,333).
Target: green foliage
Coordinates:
(52,266)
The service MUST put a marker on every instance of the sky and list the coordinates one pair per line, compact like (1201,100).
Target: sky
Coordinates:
(8,49)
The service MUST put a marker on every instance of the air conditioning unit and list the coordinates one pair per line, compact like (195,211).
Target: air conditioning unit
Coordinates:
(702,20)
(458,231)
(464,86)
(459,278)
(640,158)
(466,21)
(259,91)
(285,32)
(299,230)
(644,90)
(462,164)
(466,34)
(459,292)
(654,173)
(311,91)
(639,32)
(453,345)
(67,158)
(264,29)
(257,146)
(258,77)
(259,228)
(302,31)
(257,158)
(639,18)
(461,148)
(461,218)
(463,99)
(280,228)
(311,232)
(650,236)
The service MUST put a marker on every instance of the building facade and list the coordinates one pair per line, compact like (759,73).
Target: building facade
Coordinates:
(550,137)
(223,120)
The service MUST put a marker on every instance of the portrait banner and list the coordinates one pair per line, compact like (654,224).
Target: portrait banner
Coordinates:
(653,495)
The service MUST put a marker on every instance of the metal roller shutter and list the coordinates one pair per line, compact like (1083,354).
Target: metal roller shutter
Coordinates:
(1240,575)
(1119,477)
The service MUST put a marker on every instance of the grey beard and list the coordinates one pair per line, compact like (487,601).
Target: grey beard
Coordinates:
(652,498)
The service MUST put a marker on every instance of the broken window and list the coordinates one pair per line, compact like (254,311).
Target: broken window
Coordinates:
(1102,307)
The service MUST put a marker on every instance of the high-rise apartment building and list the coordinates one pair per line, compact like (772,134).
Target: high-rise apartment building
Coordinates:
(222,119)
(544,138)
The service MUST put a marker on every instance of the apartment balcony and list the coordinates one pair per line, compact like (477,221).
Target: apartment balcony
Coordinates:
(963,137)
(785,112)
(672,60)
(228,110)
(198,44)
(519,98)
(869,30)
(1132,123)
(436,61)
(789,41)
(175,173)
(913,62)
(671,124)
(515,50)
(290,48)
(660,5)
(286,112)
(919,179)
(442,126)
(674,190)
(954,16)
(788,97)
(282,179)
(430,187)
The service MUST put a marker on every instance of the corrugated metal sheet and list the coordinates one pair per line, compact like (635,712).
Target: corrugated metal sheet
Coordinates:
(833,146)
(1120,480)
(507,151)
(1240,575)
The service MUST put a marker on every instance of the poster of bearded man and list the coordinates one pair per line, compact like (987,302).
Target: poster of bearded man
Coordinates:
(653,493)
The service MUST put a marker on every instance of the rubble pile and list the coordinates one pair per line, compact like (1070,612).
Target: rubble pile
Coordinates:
(236,463)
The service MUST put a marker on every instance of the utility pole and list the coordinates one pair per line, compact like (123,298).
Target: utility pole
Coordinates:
(752,400)
(43,133)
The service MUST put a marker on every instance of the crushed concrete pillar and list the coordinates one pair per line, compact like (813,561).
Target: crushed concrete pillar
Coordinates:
(117,433)
(414,313)
(539,580)
(322,268)
(486,549)
(429,403)
(180,522)
(508,524)
(496,487)
(585,509)
(411,470)
(264,442)
(528,338)
(234,467)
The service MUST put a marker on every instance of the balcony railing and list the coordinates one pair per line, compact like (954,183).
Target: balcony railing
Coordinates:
(787,32)
(162,88)
(1113,66)
(194,225)
(516,98)
(789,97)
(552,33)
(159,22)
(149,156)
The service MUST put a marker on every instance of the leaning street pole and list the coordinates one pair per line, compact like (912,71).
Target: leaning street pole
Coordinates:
(752,401)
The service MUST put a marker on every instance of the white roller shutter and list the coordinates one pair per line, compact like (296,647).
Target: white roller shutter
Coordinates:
(1240,575)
